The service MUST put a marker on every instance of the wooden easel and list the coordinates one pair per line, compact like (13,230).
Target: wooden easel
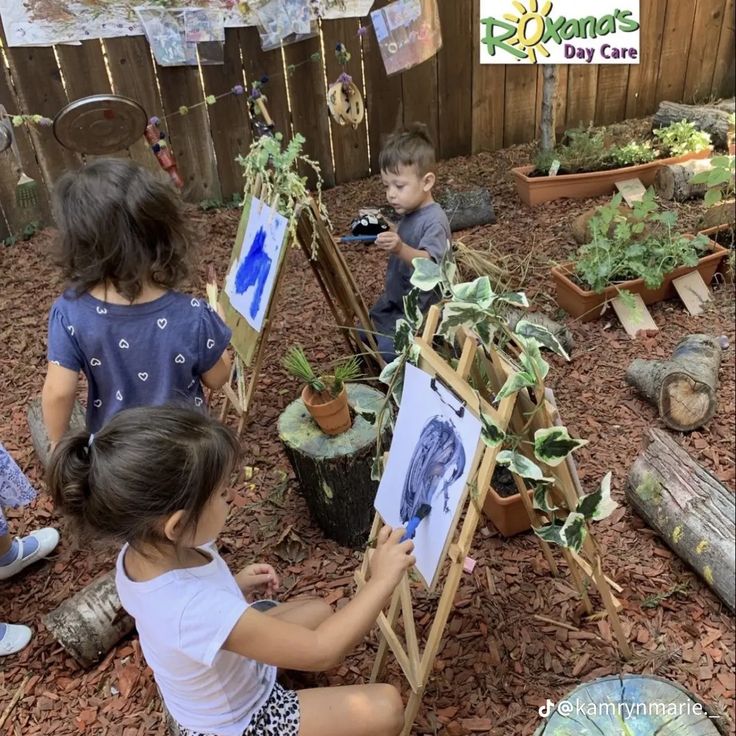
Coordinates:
(513,415)
(337,285)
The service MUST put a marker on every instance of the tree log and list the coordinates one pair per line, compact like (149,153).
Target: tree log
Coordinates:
(709,118)
(463,209)
(689,508)
(655,705)
(581,224)
(334,473)
(683,388)
(91,622)
(672,182)
(39,438)
(548,126)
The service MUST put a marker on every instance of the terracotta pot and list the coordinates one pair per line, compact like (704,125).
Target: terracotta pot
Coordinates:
(587,305)
(331,415)
(507,514)
(724,267)
(534,190)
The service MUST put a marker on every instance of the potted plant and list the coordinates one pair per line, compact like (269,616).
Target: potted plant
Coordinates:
(641,256)
(504,506)
(588,163)
(324,395)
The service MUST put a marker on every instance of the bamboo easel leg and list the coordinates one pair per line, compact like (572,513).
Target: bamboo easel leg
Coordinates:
(607,597)
(533,517)
(380,663)
(412,708)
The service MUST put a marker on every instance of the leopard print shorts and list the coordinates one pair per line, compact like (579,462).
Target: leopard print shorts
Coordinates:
(278,716)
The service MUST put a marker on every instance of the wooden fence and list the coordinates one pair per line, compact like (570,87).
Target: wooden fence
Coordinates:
(686,55)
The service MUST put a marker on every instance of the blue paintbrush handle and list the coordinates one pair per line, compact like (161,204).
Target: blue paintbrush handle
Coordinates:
(411,528)
(358,238)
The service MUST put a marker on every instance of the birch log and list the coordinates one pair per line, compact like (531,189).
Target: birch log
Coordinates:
(674,181)
(689,508)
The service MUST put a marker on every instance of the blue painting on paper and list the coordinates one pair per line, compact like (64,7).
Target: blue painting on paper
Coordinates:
(251,279)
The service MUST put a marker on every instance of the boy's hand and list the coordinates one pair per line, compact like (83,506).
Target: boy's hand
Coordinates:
(389,241)
(259,575)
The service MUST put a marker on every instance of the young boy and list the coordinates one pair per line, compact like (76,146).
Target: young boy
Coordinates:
(407,162)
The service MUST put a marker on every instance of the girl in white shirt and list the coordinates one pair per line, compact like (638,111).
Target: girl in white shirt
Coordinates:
(156,479)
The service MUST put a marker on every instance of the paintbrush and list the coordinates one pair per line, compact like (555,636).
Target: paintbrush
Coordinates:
(411,527)
(212,287)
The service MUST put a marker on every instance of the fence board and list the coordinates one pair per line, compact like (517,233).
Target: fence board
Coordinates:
(455,78)
(40,91)
(641,95)
(487,98)
(723,72)
(17,218)
(582,83)
(350,146)
(674,50)
(189,134)
(520,107)
(308,97)
(701,62)
(383,94)
(269,63)
(229,120)
(610,101)
(420,99)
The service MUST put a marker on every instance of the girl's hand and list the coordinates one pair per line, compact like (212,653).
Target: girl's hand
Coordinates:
(258,576)
(389,241)
(392,556)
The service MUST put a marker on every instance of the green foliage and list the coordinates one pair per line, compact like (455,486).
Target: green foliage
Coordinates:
(648,247)
(222,204)
(682,137)
(25,234)
(298,365)
(632,154)
(554,444)
(583,150)
(653,600)
(719,178)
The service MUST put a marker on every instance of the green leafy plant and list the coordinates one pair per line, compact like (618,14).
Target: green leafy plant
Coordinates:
(682,137)
(478,310)
(298,365)
(222,204)
(25,234)
(632,153)
(648,246)
(719,178)
(582,150)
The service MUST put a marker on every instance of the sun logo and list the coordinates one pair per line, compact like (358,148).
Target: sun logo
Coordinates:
(530,25)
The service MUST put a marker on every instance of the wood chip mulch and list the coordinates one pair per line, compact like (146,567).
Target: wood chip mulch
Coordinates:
(498,662)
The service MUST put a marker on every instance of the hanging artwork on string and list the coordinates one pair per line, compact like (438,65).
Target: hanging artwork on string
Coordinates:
(282,22)
(256,261)
(408,33)
(424,484)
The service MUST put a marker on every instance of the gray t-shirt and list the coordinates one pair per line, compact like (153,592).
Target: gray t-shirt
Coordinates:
(425,229)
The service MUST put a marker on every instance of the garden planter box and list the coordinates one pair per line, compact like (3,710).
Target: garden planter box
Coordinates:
(724,267)
(534,190)
(586,305)
(507,514)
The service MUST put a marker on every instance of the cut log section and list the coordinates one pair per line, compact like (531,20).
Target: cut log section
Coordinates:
(334,473)
(91,622)
(689,508)
(683,388)
(709,118)
(655,705)
(39,437)
(463,209)
(673,182)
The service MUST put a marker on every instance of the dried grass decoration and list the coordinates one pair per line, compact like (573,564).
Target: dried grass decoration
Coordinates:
(344,99)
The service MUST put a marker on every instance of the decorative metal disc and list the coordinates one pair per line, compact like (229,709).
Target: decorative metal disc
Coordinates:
(100,124)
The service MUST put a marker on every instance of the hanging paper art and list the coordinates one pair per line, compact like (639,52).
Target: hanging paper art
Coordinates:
(252,276)
(425,480)
(408,33)
(282,22)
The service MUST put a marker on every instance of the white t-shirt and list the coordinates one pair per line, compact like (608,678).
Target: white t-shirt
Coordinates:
(183,618)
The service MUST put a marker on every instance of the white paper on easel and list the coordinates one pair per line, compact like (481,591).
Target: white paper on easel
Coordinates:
(431,455)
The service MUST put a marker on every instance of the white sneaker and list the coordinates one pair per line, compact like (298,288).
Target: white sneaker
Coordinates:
(47,539)
(15,638)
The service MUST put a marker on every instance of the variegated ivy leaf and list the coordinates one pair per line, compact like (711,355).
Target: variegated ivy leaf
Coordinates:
(387,374)
(460,314)
(486,333)
(413,310)
(515,382)
(448,267)
(570,534)
(521,465)
(427,274)
(403,336)
(531,359)
(377,467)
(542,335)
(517,298)
(599,504)
(542,498)
(478,292)
(554,444)
(490,432)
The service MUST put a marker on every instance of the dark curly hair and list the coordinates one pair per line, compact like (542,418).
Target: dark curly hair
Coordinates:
(119,224)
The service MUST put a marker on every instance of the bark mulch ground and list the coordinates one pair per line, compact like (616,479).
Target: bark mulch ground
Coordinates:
(498,662)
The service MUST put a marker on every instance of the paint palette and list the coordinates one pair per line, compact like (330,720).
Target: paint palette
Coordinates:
(100,124)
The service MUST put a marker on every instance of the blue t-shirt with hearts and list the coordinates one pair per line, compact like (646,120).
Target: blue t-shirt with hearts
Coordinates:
(136,354)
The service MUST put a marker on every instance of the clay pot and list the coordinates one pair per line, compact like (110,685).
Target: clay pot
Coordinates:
(534,190)
(332,415)
(507,514)
(587,305)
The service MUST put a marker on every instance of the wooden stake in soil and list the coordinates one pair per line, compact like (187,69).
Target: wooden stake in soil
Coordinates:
(683,388)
